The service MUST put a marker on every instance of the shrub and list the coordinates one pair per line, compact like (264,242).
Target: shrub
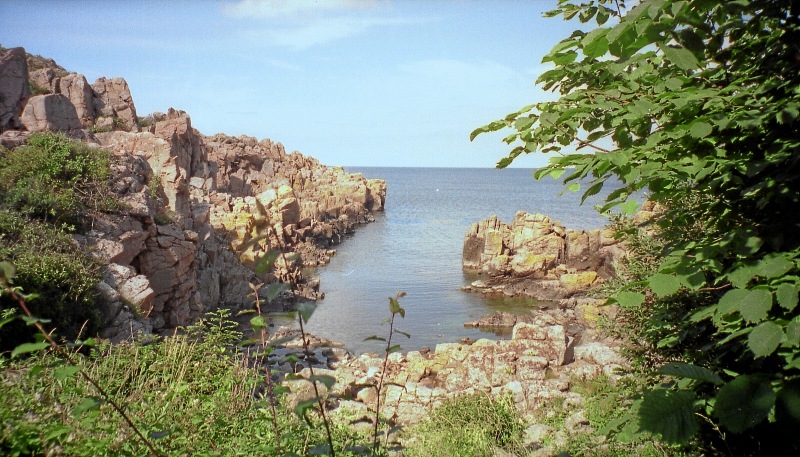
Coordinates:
(53,177)
(192,394)
(49,265)
(469,425)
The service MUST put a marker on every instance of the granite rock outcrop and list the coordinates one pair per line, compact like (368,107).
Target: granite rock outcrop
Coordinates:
(537,364)
(198,212)
(14,87)
(538,257)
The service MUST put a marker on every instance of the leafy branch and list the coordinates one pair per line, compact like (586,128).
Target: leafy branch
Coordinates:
(7,276)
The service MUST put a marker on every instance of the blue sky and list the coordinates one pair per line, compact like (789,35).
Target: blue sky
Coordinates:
(351,82)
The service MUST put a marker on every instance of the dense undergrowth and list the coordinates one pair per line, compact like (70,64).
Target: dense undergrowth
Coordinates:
(191,394)
(50,187)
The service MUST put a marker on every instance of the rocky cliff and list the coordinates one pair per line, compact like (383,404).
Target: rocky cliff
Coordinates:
(538,257)
(199,212)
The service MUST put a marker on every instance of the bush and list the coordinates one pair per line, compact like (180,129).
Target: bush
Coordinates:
(191,394)
(55,178)
(50,265)
(470,425)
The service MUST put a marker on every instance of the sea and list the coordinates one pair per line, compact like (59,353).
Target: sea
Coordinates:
(415,246)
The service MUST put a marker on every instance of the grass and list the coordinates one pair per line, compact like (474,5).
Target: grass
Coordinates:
(191,394)
(473,425)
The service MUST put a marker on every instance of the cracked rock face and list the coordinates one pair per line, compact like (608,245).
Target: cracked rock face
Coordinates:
(198,213)
(536,256)
(14,88)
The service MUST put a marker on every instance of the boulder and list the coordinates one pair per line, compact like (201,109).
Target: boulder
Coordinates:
(113,99)
(14,88)
(50,112)
(45,79)
(80,94)
(536,256)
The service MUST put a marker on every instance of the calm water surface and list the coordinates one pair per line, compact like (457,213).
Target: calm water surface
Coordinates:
(415,246)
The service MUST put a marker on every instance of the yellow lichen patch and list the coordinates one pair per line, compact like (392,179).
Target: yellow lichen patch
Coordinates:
(575,282)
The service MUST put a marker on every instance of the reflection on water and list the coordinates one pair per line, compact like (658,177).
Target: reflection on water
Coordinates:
(415,246)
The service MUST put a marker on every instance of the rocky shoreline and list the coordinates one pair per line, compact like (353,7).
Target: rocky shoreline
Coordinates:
(199,212)
(545,356)
(538,257)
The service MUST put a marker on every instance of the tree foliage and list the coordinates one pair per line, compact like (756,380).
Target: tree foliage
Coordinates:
(697,103)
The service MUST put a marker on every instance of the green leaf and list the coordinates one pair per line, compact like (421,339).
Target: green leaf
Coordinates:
(774,267)
(375,338)
(565,58)
(670,414)
(326,380)
(595,43)
(627,299)
(593,190)
(305,310)
(787,295)
(681,57)
(7,271)
(685,370)
(556,173)
(787,405)
(65,372)
(88,404)
(730,301)
(302,409)
(258,322)
(744,402)
(765,338)
(691,276)
(266,262)
(664,284)
(25,348)
(393,349)
(629,207)
(700,129)
(275,289)
(574,187)
(793,333)
(394,305)
(491,127)
(703,313)
(755,305)
(741,276)
(5,321)
(788,115)
(33,320)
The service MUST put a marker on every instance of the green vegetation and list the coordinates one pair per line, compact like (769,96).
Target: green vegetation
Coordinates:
(36,89)
(191,394)
(697,103)
(50,266)
(54,178)
(605,407)
(46,188)
(471,425)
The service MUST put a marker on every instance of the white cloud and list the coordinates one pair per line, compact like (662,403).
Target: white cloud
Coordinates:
(319,31)
(450,70)
(283,8)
